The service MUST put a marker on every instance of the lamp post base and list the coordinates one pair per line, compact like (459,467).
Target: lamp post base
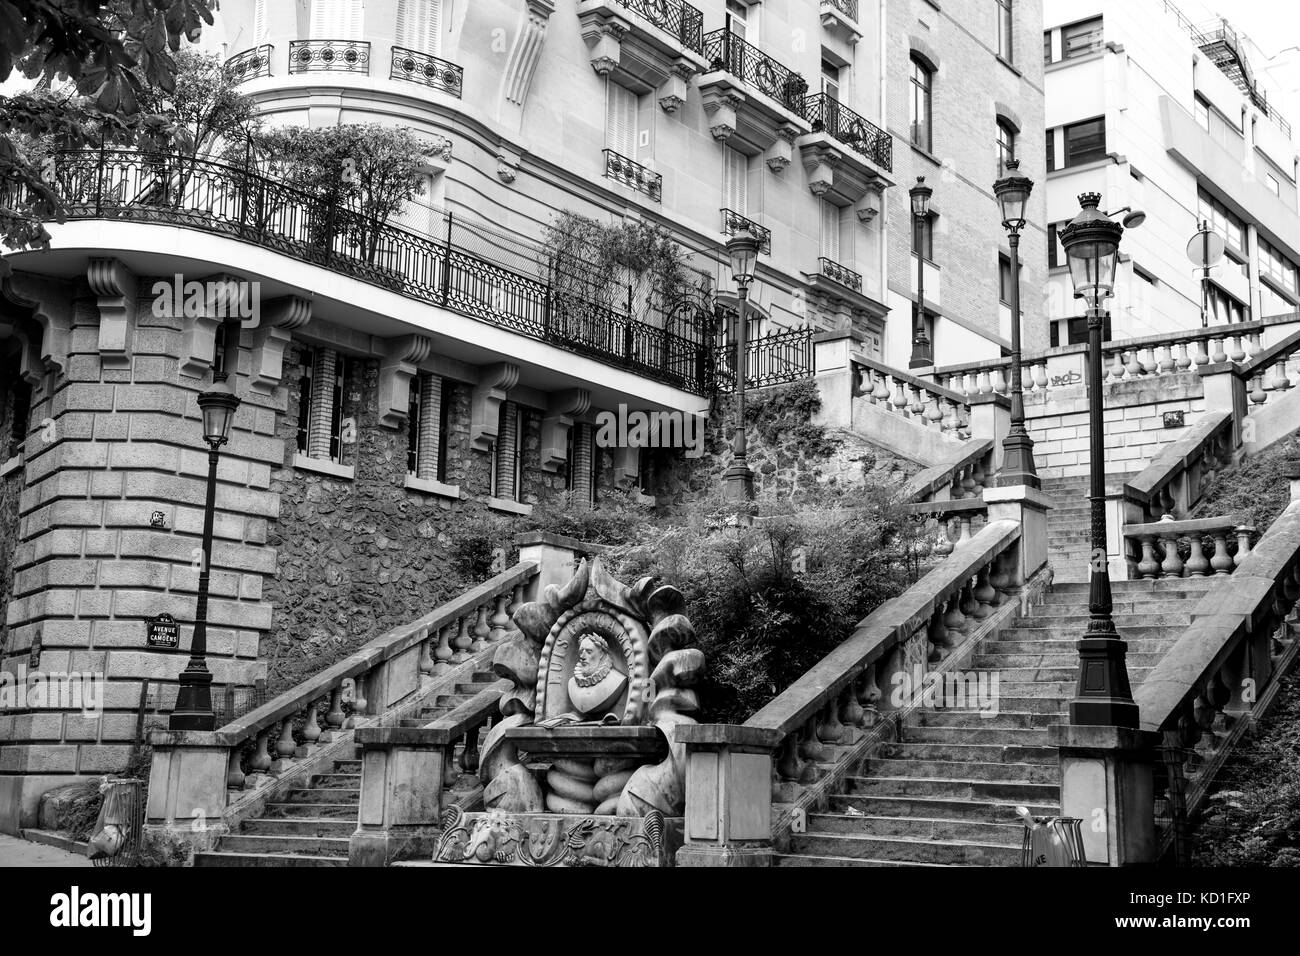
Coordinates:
(1018,460)
(1102,697)
(193,710)
(738,481)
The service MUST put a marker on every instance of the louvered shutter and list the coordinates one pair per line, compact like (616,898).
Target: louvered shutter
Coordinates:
(621,120)
(259,21)
(336,19)
(735,180)
(419,26)
(830,231)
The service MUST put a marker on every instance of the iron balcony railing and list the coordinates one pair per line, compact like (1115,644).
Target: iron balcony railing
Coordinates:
(774,359)
(847,7)
(329,56)
(249,64)
(232,201)
(837,273)
(726,51)
(828,115)
(732,222)
(672,16)
(417,67)
(631,173)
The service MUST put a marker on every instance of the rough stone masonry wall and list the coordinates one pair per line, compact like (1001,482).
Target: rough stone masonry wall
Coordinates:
(1134,419)
(11,486)
(89,568)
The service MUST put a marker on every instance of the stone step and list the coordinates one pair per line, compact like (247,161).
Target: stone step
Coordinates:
(1005,718)
(1141,586)
(296,845)
(345,781)
(966,771)
(223,858)
(1058,689)
(299,826)
(999,790)
(1059,653)
(1065,670)
(916,828)
(805,860)
(999,736)
(309,809)
(1069,605)
(1073,630)
(905,849)
(1018,704)
(347,766)
(350,795)
(970,752)
(946,808)
(1077,621)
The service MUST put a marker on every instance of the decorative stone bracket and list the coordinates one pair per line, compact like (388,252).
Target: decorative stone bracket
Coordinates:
(507,164)
(838,175)
(526,52)
(114,286)
(396,369)
(561,412)
(494,383)
(50,307)
(636,54)
(222,299)
(280,319)
(722,105)
(750,120)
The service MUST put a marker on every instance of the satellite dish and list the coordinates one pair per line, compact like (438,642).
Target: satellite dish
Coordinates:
(1134,219)
(1205,249)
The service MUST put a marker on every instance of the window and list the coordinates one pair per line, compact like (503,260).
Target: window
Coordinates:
(1223,308)
(581,459)
(830,80)
(336,19)
(1085,142)
(320,406)
(1273,184)
(1274,265)
(1080,39)
(507,452)
(735,180)
(1223,222)
(742,20)
(923,237)
(1201,109)
(920,117)
(1004,279)
(1051,150)
(830,244)
(1047,47)
(427,427)
(1055,251)
(621,120)
(1005,28)
(22,410)
(1076,331)
(259,21)
(1006,149)
(419,25)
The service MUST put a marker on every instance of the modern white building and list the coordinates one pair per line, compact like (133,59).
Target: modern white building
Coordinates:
(1173,118)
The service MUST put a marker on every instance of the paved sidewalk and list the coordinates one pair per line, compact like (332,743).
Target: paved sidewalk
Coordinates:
(16,852)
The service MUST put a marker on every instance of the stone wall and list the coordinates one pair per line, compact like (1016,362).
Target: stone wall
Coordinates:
(11,486)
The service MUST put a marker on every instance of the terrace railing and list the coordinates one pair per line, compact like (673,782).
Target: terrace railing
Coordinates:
(733,222)
(329,56)
(631,173)
(842,124)
(679,19)
(214,197)
(774,359)
(416,67)
(728,52)
(838,273)
(249,64)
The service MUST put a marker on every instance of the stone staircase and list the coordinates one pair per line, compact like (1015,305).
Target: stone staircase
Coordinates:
(311,825)
(946,792)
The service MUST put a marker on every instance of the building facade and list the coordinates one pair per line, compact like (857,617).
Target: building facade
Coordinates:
(1175,119)
(392,391)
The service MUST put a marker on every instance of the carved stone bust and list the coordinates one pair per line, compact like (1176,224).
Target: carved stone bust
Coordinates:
(596,684)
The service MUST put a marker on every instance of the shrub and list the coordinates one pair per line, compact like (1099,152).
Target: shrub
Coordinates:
(1257,488)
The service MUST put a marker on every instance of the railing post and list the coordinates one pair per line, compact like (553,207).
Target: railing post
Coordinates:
(187,787)
(446,264)
(1106,781)
(728,818)
(402,772)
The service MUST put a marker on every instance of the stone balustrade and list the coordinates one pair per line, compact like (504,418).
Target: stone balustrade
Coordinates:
(948,523)
(1270,370)
(1174,481)
(962,477)
(218,777)
(923,402)
(1194,548)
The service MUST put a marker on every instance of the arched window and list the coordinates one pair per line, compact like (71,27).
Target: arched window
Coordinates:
(1006,148)
(920,112)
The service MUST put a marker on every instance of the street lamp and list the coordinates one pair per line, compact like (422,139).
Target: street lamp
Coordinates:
(742,250)
(1012,192)
(1102,696)
(922,352)
(193,710)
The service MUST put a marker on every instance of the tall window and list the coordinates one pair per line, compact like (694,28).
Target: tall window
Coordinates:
(419,25)
(1055,251)
(1274,265)
(320,405)
(507,452)
(1005,27)
(1224,222)
(742,20)
(621,120)
(1080,39)
(336,19)
(1085,142)
(1051,150)
(1047,47)
(920,113)
(830,79)
(735,180)
(428,427)
(830,240)
(1202,112)
(1006,145)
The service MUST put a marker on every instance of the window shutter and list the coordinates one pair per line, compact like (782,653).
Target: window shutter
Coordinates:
(735,170)
(336,19)
(259,21)
(830,231)
(621,120)
(419,26)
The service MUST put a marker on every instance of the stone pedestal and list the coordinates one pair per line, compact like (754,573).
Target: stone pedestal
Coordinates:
(728,795)
(1029,506)
(557,558)
(990,417)
(401,793)
(187,787)
(1106,783)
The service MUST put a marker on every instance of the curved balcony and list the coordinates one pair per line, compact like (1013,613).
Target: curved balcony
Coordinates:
(217,198)
(416,67)
(329,56)
(249,64)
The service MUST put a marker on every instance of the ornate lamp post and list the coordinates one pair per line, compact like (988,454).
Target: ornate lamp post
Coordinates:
(1103,696)
(1012,192)
(922,351)
(742,250)
(193,709)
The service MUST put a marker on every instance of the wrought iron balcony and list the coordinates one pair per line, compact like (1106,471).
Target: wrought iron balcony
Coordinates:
(329,56)
(728,52)
(732,221)
(842,124)
(672,16)
(417,67)
(249,64)
(847,7)
(631,173)
(773,359)
(837,273)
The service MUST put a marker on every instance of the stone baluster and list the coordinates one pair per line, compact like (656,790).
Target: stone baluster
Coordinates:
(1205,713)
(481,630)
(936,634)
(985,593)
(951,419)
(982,384)
(1243,545)
(311,730)
(869,696)
(1172,566)
(979,477)
(943,543)
(259,764)
(933,413)
(1198,566)
(954,621)
(516,599)
(1218,352)
(1187,734)
(968,483)
(462,643)
(964,523)
(450,766)
(829,728)
(1253,345)
(1222,561)
(1148,566)
(1184,361)
(427,663)
(1202,356)
(1040,376)
(788,765)
(880,391)
(810,748)
(1115,371)
(955,491)
(851,711)
(285,747)
(1000,380)
(999,578)
(1237,353)
(443,654)
(1133,368)
(969,605)
(500,620)
(334,717)
(469,754)
(1280,382)
(899,400)
(234,772)
(915,407)
(360,705)
(1165,364)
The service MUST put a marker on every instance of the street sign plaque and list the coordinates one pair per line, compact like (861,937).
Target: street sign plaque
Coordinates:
(162,632)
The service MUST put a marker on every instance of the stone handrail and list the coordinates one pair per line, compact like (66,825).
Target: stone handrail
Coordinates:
(942,515)
(1267,370)
(1175,479)
(1154,548)
(822,721)
(1223,672)
(913,397)
(964,476)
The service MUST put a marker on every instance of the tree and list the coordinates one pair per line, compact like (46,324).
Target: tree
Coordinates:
(106,50)
(206,111)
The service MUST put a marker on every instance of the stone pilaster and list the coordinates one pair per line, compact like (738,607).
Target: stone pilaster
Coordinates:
(426,453)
